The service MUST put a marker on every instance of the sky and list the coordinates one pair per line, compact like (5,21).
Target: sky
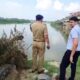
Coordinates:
(28,9)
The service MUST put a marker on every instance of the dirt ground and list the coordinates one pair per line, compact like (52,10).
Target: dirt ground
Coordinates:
(23,75)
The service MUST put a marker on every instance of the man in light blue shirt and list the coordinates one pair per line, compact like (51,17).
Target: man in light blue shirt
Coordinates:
(75,33)
(73,50)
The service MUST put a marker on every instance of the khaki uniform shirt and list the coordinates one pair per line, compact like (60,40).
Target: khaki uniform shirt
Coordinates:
(39,31)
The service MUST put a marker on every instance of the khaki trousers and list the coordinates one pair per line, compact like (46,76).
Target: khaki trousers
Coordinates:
(38,55)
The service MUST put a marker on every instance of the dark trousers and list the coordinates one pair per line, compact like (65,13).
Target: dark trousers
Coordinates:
(65,63)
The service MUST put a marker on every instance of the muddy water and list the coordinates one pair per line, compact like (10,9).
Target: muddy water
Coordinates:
(57,42)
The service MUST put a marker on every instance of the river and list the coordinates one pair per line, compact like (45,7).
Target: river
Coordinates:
(57,42)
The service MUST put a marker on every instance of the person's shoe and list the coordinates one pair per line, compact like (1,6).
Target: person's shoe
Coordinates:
(40,72)
(70,79)
(34,70)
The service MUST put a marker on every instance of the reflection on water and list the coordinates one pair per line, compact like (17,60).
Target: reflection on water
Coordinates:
(57,42)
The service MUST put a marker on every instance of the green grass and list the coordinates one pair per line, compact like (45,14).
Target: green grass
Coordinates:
(29,63)
(77,77)
(52,69)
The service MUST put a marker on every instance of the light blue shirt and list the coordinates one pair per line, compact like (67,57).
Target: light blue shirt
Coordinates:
(74,33)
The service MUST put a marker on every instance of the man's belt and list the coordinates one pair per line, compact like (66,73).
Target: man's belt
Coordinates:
(38,41)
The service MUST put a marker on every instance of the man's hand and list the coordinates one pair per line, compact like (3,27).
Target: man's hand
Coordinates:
(71,59)
(48,46)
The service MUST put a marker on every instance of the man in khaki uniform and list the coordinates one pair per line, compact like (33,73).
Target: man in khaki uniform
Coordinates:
(40,38)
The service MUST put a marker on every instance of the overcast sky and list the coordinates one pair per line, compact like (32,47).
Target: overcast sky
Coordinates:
(27,9)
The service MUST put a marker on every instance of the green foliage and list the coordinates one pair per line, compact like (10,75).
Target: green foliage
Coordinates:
(57,24)
(50,68)
(29,63)
(77,77)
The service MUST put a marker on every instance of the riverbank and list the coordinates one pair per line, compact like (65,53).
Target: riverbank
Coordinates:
(53,67)
(59,27)
(49,66)
(26,74)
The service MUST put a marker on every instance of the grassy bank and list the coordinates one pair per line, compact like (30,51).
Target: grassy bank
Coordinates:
(53,69)
(59,27)
(56,24)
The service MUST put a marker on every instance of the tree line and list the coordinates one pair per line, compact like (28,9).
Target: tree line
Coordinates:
(13,20)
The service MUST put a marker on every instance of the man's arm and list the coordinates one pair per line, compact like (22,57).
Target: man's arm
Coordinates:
(30,27)
(75,44)
(46,37)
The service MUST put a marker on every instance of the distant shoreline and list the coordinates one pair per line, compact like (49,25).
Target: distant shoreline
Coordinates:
(13,21)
